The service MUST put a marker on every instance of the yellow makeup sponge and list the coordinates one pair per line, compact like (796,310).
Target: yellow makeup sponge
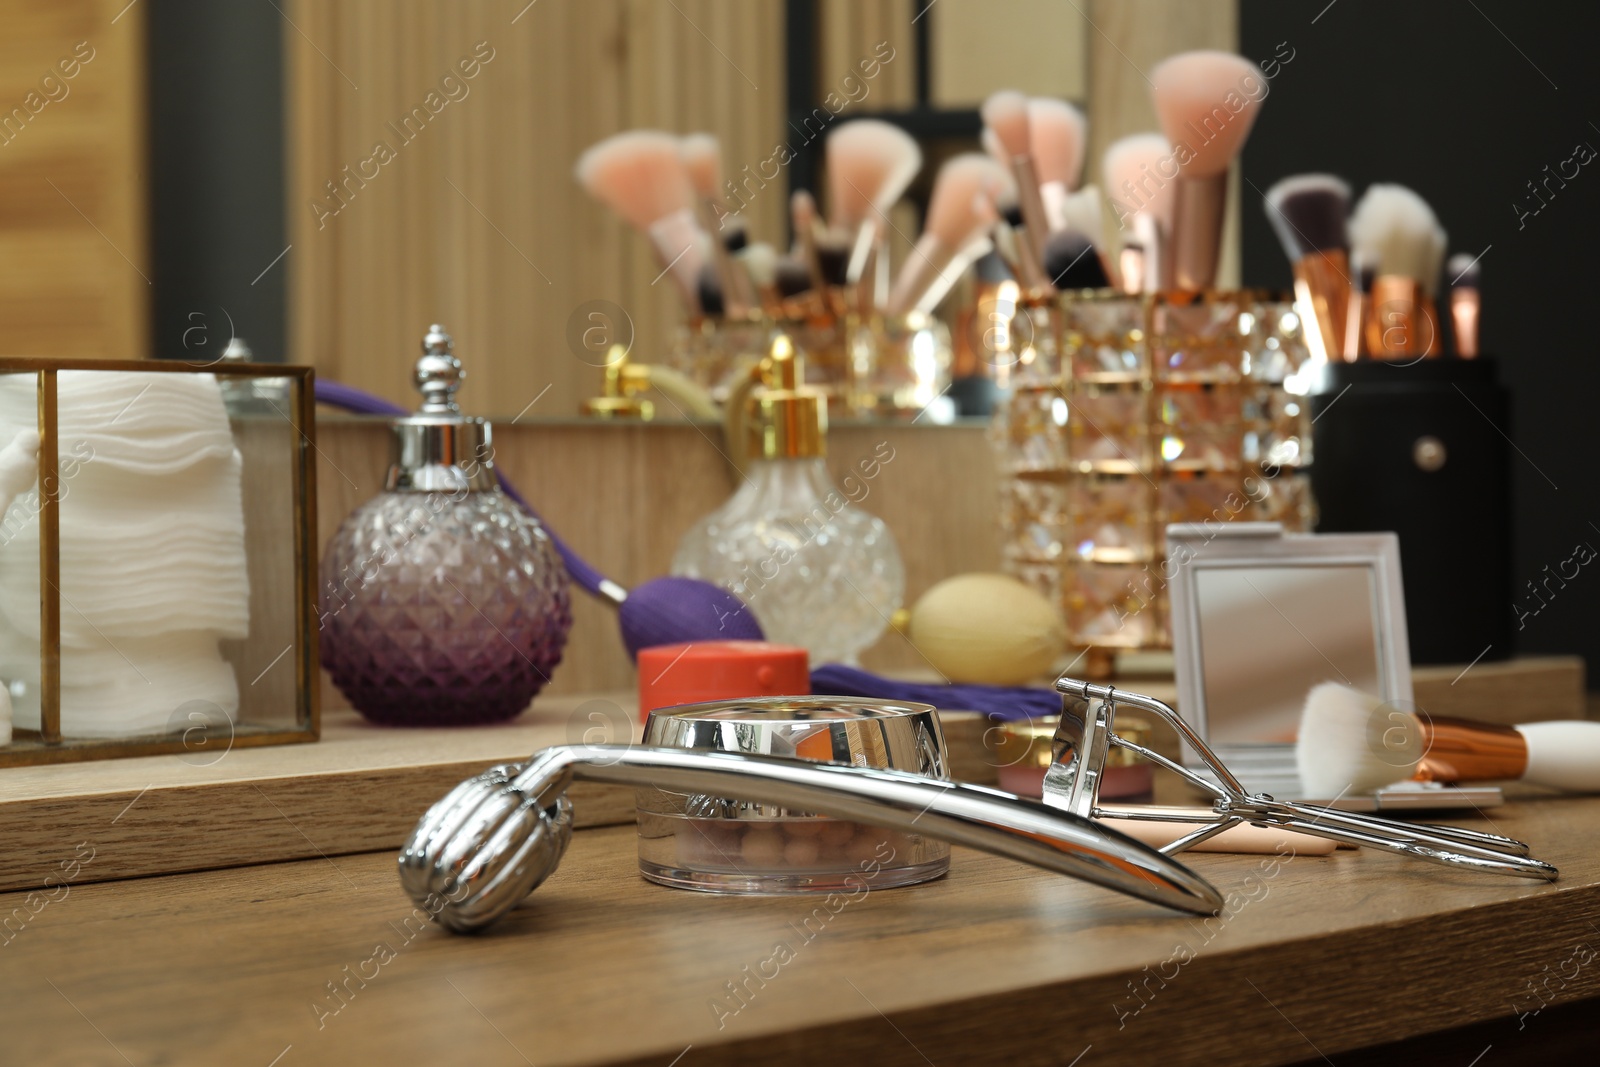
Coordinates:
(987,628)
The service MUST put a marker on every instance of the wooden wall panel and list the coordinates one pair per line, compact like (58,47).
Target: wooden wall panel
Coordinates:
(74,269)
(850,31)
(1034,46)
(478,223)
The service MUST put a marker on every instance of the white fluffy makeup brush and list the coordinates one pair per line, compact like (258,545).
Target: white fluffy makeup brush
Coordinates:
(702,161)
(1206,103)
(870,164)
(1352,742)
(1310,214)
(1006,114)
(640,175)
(1395,232)
(1464,303)
(1057,132)
(1140,173)
(960,213)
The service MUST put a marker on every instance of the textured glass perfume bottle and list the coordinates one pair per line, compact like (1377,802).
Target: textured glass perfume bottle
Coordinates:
(443,603)
(816,570)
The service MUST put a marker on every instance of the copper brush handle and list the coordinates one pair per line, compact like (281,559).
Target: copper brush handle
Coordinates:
(1322,283)
(1402,321)
(1355,325)
(1199,206)
(1460,750)
(1464,321)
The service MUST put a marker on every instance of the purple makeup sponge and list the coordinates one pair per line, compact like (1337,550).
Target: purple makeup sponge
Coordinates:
(670,611)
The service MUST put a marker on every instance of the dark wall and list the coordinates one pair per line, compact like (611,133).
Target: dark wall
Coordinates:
(216,177)
(1467,103)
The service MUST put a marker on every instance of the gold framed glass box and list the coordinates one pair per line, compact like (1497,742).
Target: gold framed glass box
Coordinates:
(157,558)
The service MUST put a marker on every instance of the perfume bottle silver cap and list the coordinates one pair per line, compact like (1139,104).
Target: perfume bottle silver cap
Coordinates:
(439,449)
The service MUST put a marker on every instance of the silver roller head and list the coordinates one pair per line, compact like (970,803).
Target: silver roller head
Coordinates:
(483,848)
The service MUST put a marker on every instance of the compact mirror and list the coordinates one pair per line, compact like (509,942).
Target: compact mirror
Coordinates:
(1260,616)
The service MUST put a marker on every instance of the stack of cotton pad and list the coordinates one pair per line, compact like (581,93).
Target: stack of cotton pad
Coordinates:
(152,553)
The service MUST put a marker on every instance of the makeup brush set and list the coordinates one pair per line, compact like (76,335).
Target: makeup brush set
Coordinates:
(830,290)
(1408,431)
(1150,396)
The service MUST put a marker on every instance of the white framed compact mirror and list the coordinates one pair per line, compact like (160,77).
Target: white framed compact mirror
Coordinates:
(1260,616)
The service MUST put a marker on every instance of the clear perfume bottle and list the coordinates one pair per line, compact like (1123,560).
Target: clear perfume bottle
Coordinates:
(816,570)
(443,602)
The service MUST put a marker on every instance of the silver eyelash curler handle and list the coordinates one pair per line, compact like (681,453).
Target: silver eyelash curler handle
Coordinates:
(1081,741)
(483,848)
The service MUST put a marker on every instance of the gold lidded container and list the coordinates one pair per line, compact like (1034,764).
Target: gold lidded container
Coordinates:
(717,845)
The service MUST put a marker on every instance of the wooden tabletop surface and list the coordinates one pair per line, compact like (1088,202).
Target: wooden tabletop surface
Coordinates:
(997,963)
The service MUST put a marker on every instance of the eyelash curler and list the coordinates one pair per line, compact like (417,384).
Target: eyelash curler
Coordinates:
(478,852)
(1082,740)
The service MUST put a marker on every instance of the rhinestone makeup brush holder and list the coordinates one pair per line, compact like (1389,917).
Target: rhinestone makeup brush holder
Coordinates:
(1144,411)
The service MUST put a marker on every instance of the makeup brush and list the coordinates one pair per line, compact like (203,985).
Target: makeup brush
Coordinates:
(1396,232)
(791,277)
(960,213)
(1309,213)
(1350,741)
(702,160)
(870,164)
(1072,262)
(1463,272)
(1140,173)
(1084,211)
(640,175)
(803,217)
(1012,243)
(759,261)
(1362,275)
(1006,113)
(1057,132)
(1206,103)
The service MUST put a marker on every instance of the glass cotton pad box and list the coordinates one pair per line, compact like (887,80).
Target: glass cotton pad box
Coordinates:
(718,845)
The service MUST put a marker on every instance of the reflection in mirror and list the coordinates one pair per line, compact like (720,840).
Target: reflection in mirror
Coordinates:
(1267,634)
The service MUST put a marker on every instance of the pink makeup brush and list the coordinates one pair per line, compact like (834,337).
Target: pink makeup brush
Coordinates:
(702,160)
(1057,132)
(1142,198)
(1006,113)
(960,214)
(1206,103)
(870,163)
(640,175)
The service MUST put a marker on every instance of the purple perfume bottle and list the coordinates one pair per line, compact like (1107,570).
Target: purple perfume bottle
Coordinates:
(443,603)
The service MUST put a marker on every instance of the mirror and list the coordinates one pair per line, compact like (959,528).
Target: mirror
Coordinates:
(297,232)
(1259,617)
